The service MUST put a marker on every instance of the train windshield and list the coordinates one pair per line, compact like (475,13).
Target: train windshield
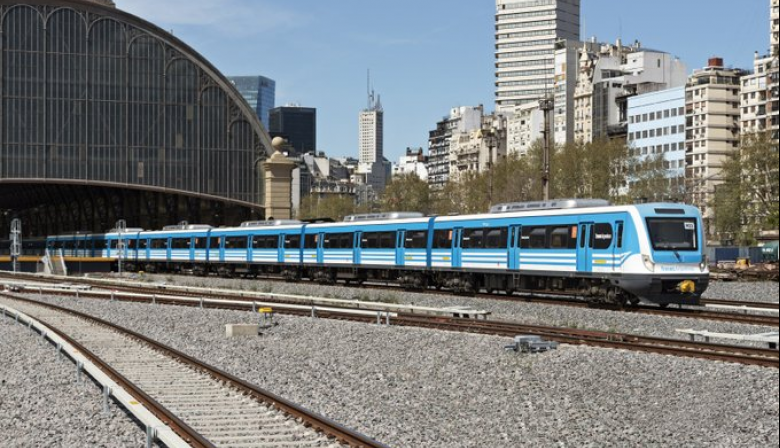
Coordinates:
(673,234)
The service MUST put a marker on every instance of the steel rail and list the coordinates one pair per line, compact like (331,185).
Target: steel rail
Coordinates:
(184,431)
(719,352)
(311,419)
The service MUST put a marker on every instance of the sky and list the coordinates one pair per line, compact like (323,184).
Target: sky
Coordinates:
(425,56)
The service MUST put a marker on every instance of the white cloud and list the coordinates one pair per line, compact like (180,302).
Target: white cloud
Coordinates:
(234,17)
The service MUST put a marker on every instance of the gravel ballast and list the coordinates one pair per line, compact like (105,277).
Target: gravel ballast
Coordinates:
(528,313)
(419,388)
(41,405)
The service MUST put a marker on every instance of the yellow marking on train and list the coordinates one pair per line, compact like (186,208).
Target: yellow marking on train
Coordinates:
(600,261)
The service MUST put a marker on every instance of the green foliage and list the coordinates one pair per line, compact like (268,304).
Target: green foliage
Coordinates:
(328,206)
(747,201)
(407,193)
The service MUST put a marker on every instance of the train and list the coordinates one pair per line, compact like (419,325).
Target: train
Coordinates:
(631,254)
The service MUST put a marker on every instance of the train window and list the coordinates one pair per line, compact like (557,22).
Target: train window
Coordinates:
(201,243)
(100,244)
(338,241)
(442,239)
(496,238)
(534,238)
(473,239)
(583,236)
(180,243)
(265,242)
(292,241)
(620,235)
(215,242)
(236,242)
(159,244)
(416,240)
(378,240)
(559,237)
(310,242)
(129,244)
(602,236)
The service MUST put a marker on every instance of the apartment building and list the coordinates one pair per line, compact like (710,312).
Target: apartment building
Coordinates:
(526,35)
(712,103)
(460,120)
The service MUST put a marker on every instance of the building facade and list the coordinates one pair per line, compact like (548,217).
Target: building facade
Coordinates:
(297,125)
(524,128)
(656,129)
(372,123)
(773,79)
(460,119)
(607,80)
(526,35)
(479,150)
(756,97)
(104,116)
(414,162)
(259,92)
(712,103)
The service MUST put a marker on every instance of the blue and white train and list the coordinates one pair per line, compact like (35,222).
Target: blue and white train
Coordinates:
(651,253)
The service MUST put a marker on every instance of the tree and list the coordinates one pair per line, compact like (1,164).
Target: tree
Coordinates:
(747,200)
(332,206)
(650,181)
(407,193)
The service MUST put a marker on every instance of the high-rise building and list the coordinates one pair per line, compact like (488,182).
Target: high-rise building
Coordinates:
(755,97)
(656,128)
(526,36)
(259,92)
(774,17)
(609,77)
(372,131)
(524,127)
(298,125)
(460,119)
(773,106)
(712,131)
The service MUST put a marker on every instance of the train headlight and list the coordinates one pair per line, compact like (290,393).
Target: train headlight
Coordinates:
(648,263)
(704,264)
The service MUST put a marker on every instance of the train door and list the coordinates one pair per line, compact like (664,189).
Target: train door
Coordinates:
(320,248)
(457,247)
(617,247)
(584,251)
(514,247)
(400,251)
(357,251)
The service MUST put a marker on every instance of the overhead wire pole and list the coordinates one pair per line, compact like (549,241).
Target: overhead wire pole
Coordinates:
(16,244)
(547,106)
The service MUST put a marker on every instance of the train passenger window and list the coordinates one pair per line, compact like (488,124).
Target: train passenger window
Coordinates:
(442,239)
(180,243)
(201,243)
(496,238)
(265,242)
(236,242)
(416,240)
(214,242)
(338,241)
(100,244)
(160,244)
(620,235)
(473,239)
(583,236)
(534,238)
(378,240)
(310,242)
(129,244)
(559,238)
(292,241)
(602,236)
(143,244)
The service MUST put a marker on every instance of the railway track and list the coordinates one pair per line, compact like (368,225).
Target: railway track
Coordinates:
(688,312)
(203,405)
(673,347)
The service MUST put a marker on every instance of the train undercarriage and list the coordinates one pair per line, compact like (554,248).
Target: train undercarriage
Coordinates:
(595,290)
